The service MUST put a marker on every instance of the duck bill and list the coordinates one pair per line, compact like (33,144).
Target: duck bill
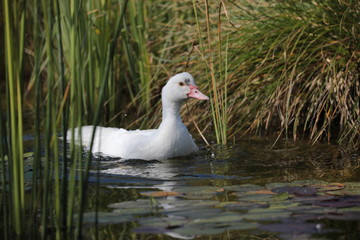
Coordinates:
(195,93)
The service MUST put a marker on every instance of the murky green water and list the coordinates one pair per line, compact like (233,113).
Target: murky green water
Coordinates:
(246,191)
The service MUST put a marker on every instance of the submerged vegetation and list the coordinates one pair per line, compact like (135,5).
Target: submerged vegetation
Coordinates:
(289,67)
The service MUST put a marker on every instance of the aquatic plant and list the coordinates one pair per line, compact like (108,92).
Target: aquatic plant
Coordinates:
(290,67)
(12,129)
(65,52)
(295,66)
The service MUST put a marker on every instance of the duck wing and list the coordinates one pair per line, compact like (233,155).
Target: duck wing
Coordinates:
(112,141)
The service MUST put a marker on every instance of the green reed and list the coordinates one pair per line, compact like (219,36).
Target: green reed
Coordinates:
(137,53)
(74,48)
(105,78)
(217,70)
(14,18)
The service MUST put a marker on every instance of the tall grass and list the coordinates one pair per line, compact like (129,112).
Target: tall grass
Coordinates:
(296,65)
(291,67)
(216,71)
(14,18)
(140,55)
(67,52)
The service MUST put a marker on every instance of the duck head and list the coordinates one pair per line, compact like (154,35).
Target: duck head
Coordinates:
(181,87)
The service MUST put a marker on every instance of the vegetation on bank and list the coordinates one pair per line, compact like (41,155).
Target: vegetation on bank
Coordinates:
(290,67)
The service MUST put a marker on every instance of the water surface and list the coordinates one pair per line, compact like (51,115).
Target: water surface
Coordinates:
(246,191)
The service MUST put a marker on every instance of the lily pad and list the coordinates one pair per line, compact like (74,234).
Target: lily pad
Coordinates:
(243,188)
(193,213)
(281,197)
(200,229)
(140,203)
(296,190)
(336,204)
(241,206)
(210,229)
(257,198)
(182,205)
(329,187)
(198,192)
(261,191)
(215,224)
(351,209)
(284,205)
(276,185)
(159,194)
(293,227)
(163,222)
(105,218)
(261,214)
(346,192)
(314,199)
(138,207)
(220,218)
(344,216)
(134,211)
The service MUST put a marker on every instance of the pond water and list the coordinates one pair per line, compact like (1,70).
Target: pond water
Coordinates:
(245,191)
(250,190)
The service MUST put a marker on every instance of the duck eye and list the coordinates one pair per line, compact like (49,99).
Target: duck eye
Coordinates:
(181,84)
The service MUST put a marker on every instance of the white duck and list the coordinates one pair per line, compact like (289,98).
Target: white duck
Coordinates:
(171,139)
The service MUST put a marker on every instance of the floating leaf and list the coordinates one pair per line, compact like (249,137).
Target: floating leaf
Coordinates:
(105,218)
(345,192)
(198,189)
(134,211)
(262,214)
(281,197)
(140,203)
(242,226)
(193,213)
(351,209)
(220,218)
(241,206)
(243,188)
(163,222)
(258,198)
(295,190)
(276,185)
(200,229)
(185,204)
(159,194)
(138,207)
(330,187)
(210,229)
(314,199)
(198,192)
(342,215)
(283,205)
(297,228)
(311,209)
(336,204)
(261,191)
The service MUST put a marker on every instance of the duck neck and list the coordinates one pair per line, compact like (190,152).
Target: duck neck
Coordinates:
(171,111)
